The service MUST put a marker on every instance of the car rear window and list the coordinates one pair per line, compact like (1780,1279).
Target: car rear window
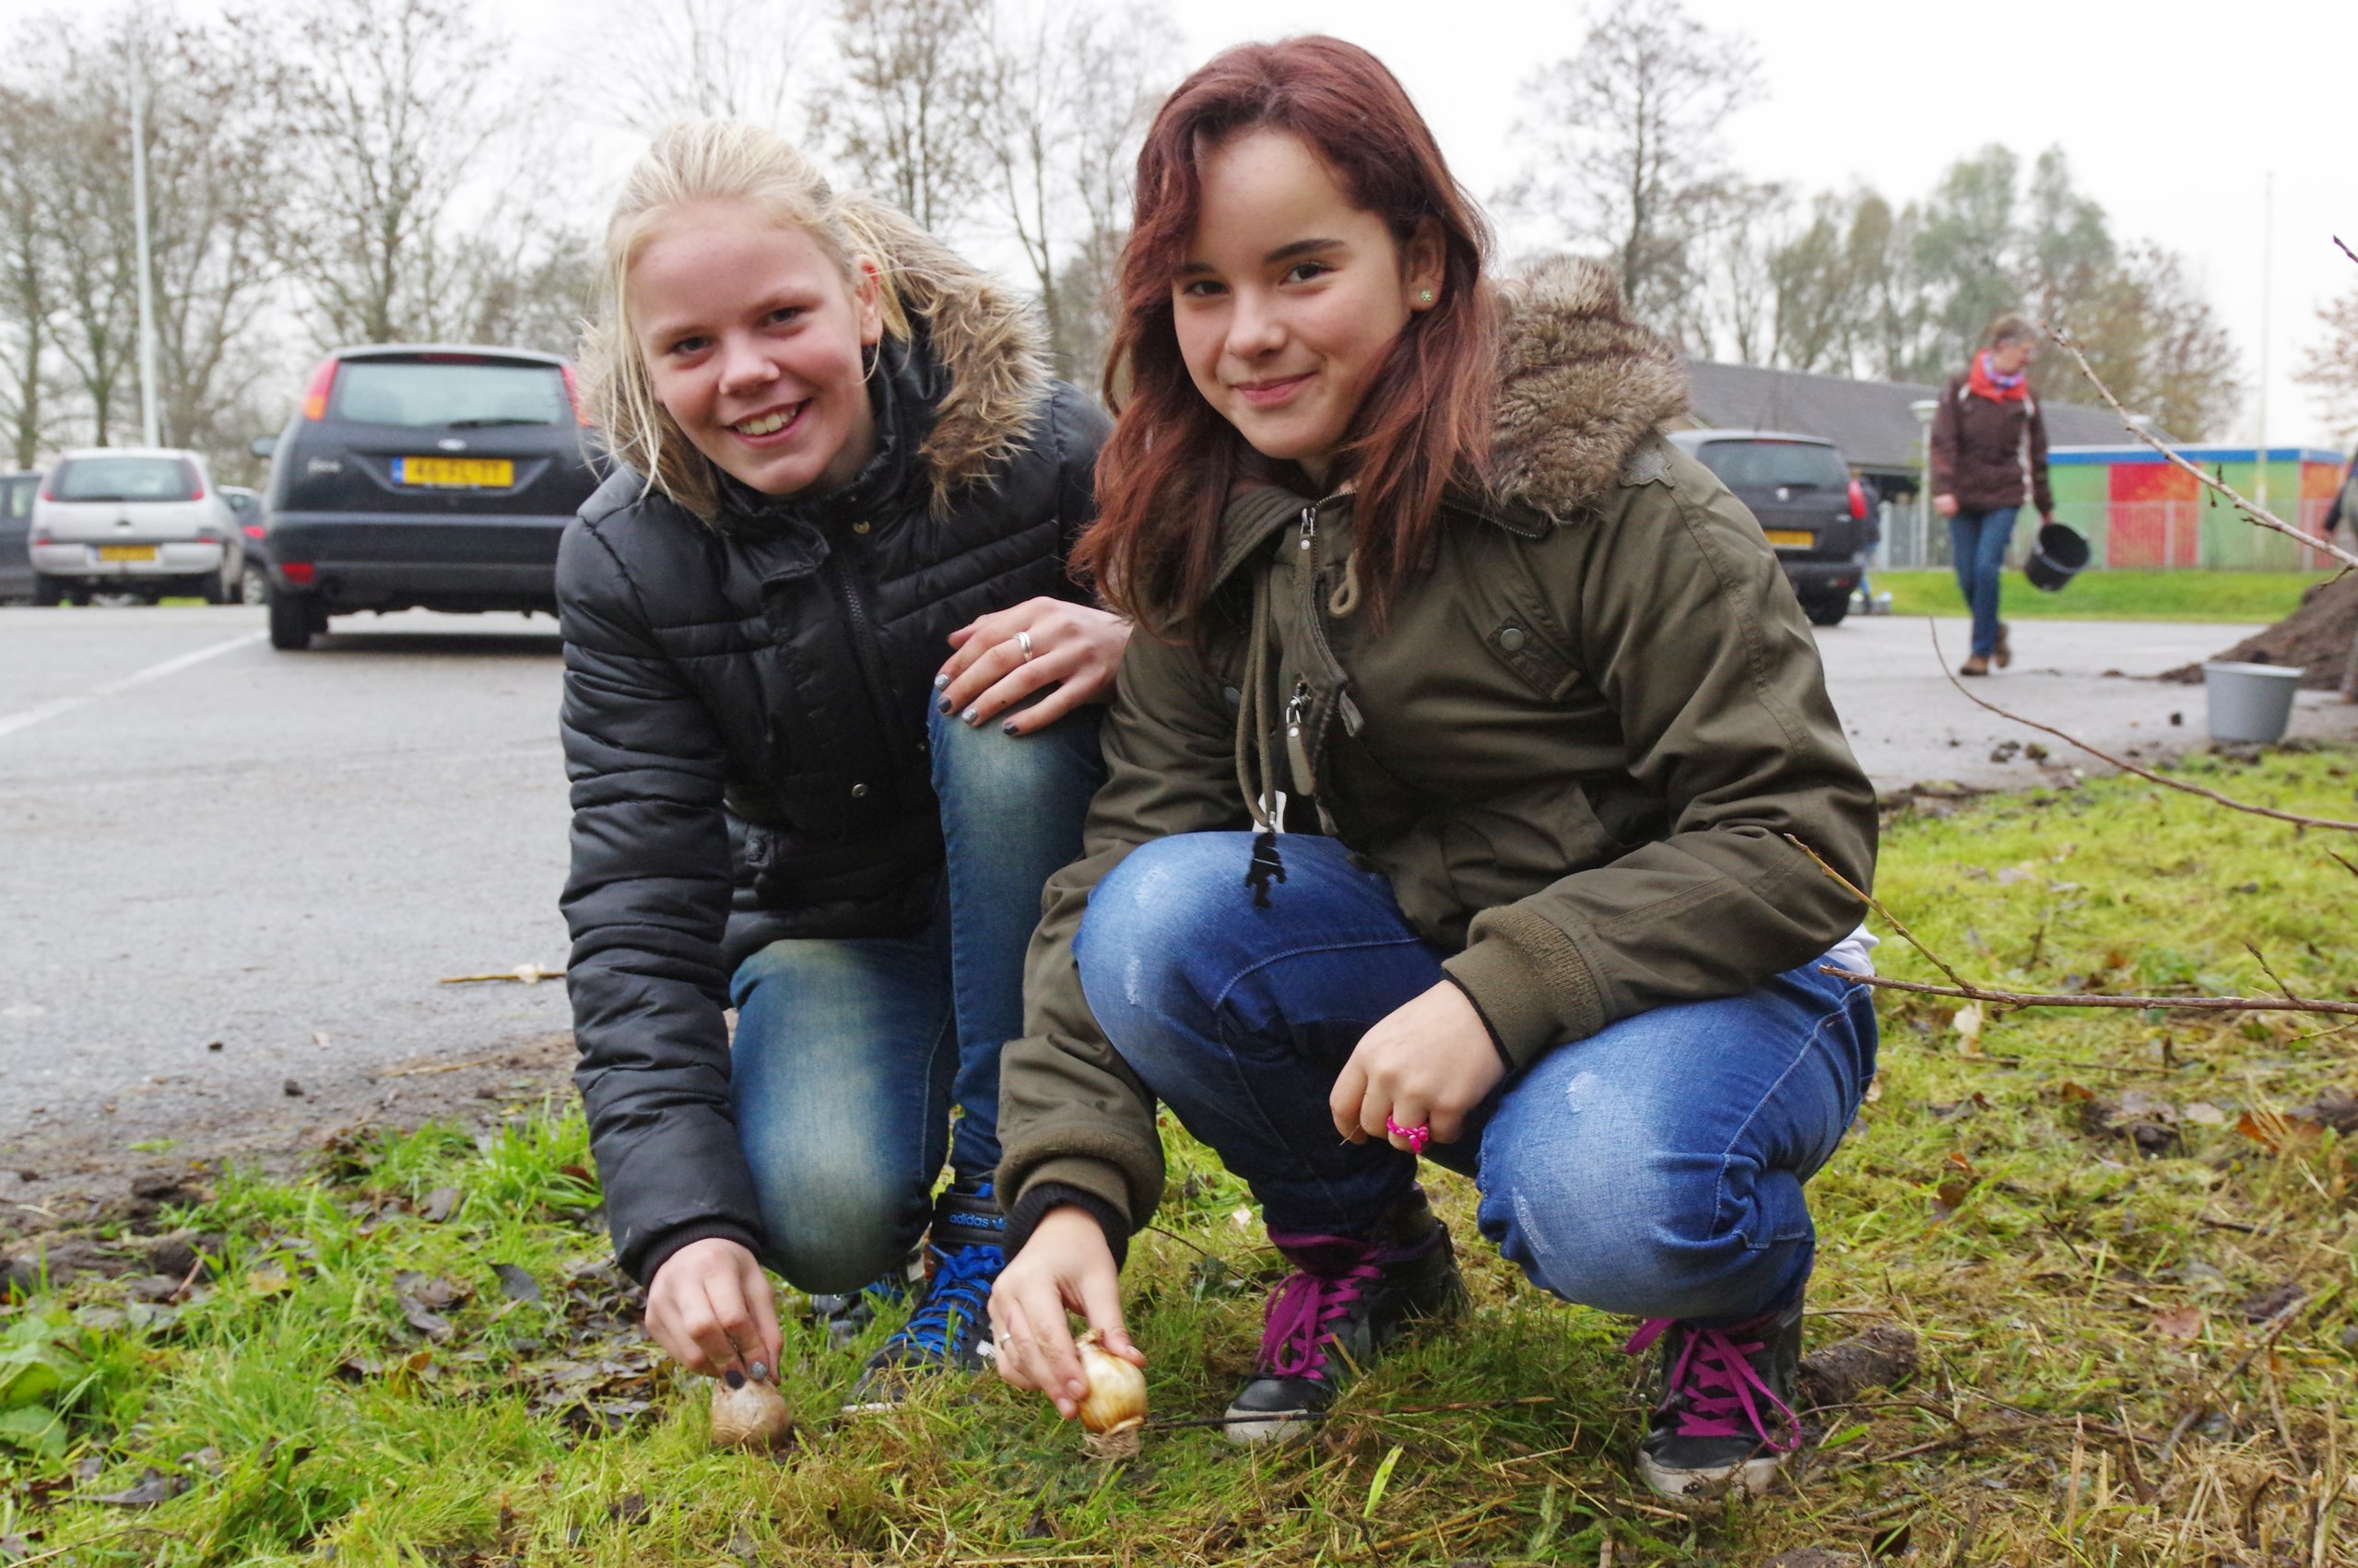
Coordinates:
(1767,464)
(430,394)
(124,478)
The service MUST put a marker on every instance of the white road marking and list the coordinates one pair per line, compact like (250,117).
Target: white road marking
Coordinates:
(57,705)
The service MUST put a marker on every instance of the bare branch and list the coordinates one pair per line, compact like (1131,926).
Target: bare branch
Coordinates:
(2258,515)
(1875,904)
(2266,969)
(2127,767)
(2345,248)
(2045,999)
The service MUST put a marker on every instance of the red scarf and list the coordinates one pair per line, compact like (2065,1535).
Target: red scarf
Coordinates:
(1982,382)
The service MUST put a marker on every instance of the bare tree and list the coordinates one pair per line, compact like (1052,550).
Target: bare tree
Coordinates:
(1627,149)
(26,300)
(2330,369)
(657,63)
(396,101)
(909,115)
(1069,92)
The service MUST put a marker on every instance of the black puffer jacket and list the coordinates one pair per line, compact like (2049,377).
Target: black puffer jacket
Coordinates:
(745,732)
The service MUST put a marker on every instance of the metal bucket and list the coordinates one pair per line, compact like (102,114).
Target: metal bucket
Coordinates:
(2058,556)
(2249,703)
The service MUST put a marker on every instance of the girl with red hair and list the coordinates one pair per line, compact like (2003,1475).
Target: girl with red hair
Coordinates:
(1459,776)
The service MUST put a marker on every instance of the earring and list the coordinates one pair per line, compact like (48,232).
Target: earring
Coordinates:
(1425,296)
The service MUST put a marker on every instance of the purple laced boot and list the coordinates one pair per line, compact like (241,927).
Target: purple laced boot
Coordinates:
(1723,1416)
(1346,1301)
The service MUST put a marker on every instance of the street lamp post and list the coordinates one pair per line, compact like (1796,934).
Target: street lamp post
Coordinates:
(149,430)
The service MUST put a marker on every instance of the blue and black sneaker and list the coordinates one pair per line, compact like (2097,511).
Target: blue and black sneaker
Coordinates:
(949,1329)
(845,1317)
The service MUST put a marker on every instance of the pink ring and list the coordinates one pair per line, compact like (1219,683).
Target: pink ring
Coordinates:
(1418,1135)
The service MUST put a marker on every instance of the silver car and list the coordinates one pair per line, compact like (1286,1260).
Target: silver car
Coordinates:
(144,521)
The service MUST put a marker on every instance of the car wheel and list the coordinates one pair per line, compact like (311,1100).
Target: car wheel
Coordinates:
(47,590)
(253,586)
(1827,611)
(294,622)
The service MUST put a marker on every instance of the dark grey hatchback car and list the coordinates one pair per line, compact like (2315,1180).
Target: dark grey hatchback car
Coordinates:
(1800,490)
(423,475)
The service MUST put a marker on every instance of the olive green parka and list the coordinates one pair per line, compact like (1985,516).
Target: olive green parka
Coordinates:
(1576,748)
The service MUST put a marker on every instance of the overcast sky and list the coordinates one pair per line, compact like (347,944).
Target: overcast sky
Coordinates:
(2173,116)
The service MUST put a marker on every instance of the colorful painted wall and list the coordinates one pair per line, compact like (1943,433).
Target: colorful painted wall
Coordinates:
(2140,510)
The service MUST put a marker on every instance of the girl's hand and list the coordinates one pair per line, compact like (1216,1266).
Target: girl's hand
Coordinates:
(1427,1064)
(1945,505)
(1075,648)
(710,1307)
(1065,1265)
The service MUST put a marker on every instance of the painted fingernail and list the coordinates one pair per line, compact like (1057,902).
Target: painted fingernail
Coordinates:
(1010,728)
(761,1372)
(972,715)
(734,1378)
(943,705)
(941,681)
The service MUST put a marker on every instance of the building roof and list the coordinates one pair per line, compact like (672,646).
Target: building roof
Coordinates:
(1870,420)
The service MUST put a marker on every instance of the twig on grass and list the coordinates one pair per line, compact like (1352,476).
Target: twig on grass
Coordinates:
(1176,1421)
(2210,1395)
(2040,1000)
(2261,959)
(2258,515)
(2148,774)
(1966,990)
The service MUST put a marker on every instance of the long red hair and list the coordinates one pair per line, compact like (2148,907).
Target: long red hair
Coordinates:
(1164,475)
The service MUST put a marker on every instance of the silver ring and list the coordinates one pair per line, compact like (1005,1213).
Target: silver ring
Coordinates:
(1023,641)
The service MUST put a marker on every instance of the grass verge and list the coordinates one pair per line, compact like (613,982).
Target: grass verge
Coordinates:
(2124,1248)
(2256,597)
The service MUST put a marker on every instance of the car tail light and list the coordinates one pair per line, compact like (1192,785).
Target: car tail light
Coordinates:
(1857,501)
(297,572)
(315,395)
(254,530)
(42,539)
(573,394)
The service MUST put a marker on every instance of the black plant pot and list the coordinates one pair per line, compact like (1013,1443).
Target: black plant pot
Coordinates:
(2057,558)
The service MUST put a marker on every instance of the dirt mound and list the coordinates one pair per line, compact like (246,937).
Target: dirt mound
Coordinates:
(2317,637)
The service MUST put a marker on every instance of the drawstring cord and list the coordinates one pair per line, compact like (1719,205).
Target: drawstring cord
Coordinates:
(1253,748)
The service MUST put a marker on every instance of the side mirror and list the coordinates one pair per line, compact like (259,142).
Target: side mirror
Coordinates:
(263,446)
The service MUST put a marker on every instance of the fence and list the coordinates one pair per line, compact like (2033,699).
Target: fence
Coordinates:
(2130,536)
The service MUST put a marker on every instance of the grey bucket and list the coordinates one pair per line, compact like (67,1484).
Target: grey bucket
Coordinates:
(2250,703)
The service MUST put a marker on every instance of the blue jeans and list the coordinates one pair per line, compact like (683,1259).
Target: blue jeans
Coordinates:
(1655,1168)
(850,1052)
(1977,542)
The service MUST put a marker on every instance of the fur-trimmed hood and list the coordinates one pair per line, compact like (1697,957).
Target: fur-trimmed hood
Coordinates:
(987,348)
(1582,384)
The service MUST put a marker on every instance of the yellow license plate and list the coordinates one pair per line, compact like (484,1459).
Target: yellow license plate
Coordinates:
(1791,539)
(126,552)
(455,473)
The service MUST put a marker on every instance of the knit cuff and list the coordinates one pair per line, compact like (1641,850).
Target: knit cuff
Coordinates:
(1042,1197)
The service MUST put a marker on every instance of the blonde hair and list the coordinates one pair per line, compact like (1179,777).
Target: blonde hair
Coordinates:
(710,160)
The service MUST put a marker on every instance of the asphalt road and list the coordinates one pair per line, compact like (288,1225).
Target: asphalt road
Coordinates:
(206,841)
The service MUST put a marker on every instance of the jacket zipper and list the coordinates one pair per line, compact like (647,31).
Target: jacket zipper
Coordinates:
(864,649)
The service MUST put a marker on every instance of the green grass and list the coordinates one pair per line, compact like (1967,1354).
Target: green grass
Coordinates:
(2046,1269)
(2265,596)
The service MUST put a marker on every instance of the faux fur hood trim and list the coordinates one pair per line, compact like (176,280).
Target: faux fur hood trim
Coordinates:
(986,343)
(1582,385)
(987,347)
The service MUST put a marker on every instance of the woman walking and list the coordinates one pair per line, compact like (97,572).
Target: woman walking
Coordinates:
(1455,786)
(845,491)
(1988,461)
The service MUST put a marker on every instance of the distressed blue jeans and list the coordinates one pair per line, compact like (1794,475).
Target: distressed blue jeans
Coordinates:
(1653,1169)
(1977,542)
(850,1052)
